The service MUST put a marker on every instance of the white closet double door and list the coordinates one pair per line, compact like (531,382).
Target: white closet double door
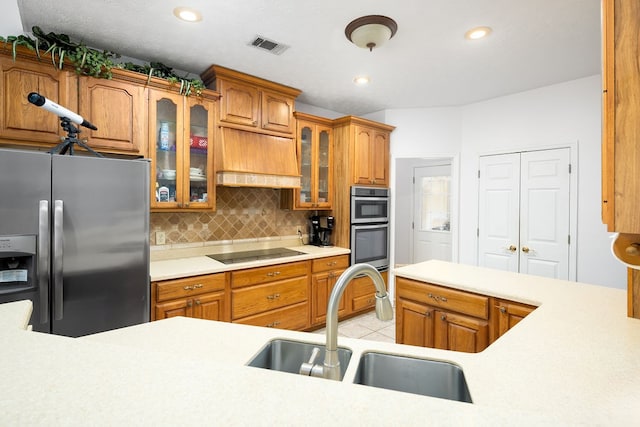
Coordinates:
(524,211)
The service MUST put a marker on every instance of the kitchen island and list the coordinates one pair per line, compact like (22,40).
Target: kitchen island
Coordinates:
(574,360)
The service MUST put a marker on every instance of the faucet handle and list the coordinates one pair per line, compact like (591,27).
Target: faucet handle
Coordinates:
(307,368)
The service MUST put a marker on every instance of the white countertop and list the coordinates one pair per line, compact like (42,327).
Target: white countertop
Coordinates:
(574,360)
(195,261)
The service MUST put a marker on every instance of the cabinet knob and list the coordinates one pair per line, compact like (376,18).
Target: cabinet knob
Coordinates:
(197,302)
(525,249)
(189,303)
(512,248)
(427,313)
(503,310)
(443,317)
(633,249)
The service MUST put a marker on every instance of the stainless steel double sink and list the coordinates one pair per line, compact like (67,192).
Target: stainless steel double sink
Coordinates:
(426,377)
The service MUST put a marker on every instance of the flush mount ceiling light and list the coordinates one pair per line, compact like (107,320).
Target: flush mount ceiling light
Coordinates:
(187,14)
(371,31)
(477,33)
(361,80)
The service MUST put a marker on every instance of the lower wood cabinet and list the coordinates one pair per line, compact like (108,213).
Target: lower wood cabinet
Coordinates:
(291,295)
(273,296)
(292,317)
(201,297)
(414,322)
(430,315)
(324,275)
(506,314)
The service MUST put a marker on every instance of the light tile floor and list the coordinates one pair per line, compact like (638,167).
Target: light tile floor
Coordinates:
(368,327)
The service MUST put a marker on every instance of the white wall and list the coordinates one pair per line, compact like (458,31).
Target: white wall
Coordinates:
(553,115)
(10,22)
(317,111)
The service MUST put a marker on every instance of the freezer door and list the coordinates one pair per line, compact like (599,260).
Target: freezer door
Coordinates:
(25,193)
(100,244)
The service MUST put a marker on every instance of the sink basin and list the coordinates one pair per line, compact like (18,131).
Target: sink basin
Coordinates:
(287,356)
(419,376)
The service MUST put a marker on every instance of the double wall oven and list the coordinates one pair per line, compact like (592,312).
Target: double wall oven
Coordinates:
(370,226)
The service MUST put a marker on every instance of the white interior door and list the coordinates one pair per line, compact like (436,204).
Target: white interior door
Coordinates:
(524,211)
(432,213)
(498,212)
(544,213)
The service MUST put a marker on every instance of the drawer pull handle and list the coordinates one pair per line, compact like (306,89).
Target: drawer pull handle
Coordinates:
(198,286)
(273,273)
(272,297)
(188,288)
(332,263)
(437,298)
(273,324)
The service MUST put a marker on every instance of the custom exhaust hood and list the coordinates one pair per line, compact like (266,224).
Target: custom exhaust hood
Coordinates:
(249,159)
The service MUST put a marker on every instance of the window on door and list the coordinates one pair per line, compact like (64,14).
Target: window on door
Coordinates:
(436,203)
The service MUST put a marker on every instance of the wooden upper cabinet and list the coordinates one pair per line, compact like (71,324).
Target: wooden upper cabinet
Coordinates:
(26,123)
(251,103)
(117,109)
(621,116)
(240,103)
(362,156)
(277,112)
(371,159)
(314,150)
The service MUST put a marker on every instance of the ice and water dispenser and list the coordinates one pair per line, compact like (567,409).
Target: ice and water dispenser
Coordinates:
(17,264)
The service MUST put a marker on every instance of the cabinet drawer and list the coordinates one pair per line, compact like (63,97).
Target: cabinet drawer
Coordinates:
(179,288)
(362,286)
(330,263)
(268,274)
(260,298)
(363,302)
(294,317)
(450,299)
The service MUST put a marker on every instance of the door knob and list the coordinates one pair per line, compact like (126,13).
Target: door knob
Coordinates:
(512,248)
(525,249)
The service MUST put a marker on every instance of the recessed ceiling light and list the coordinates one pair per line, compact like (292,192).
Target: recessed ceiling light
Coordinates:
(362,80)
(187,14)
(477,33)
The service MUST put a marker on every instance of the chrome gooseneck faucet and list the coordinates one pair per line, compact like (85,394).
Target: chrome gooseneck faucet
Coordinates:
(384,311)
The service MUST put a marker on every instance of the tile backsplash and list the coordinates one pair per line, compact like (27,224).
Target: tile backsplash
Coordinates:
(241,213)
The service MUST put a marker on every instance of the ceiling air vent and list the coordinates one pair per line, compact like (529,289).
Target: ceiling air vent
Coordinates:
(268,45)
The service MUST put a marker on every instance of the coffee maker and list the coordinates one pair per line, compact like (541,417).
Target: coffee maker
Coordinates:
(321,228)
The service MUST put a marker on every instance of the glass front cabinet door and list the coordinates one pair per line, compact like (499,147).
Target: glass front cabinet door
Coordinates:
(181,136)
(315,152)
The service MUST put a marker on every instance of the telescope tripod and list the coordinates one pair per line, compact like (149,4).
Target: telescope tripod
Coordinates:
(71,139)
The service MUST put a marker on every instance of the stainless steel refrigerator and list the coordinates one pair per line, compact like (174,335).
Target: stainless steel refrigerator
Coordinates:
(74,239)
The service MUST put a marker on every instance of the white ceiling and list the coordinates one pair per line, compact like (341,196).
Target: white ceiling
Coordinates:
(427,63)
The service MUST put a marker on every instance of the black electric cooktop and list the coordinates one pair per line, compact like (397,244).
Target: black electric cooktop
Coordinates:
(246,256)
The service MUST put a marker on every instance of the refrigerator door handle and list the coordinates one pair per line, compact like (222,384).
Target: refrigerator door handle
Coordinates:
(43,260)
(57,259)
